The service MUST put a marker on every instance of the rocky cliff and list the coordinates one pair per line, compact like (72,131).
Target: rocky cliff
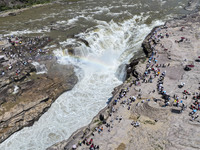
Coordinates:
(161,124)
(24,94)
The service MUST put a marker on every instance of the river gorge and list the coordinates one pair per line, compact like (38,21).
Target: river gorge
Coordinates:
(113,31)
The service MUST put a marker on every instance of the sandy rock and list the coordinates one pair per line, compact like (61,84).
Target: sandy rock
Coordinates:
(161,127)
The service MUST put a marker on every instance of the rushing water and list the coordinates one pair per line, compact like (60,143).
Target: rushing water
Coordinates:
(114,30)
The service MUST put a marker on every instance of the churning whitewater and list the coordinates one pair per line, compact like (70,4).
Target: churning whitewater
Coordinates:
(112,42)
(110,45)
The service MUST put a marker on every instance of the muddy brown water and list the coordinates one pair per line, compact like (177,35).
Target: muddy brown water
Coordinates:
(114,30)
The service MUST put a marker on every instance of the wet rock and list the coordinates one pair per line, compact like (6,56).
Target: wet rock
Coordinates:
(146,45)
(71,51)
(101,117)
(84,41)
(12,14)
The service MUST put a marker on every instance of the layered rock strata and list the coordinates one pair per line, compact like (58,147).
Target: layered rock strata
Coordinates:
(24,94)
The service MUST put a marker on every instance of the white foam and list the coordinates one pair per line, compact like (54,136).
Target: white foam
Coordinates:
(98,63)
(16,89)
(40,68)
(46,29)
(44,17)
(73,20)
(161,2)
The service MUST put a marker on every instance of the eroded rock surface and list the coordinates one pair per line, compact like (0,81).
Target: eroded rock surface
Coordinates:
(162,125)
(24,94)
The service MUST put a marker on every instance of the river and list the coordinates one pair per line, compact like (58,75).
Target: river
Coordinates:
(114,30)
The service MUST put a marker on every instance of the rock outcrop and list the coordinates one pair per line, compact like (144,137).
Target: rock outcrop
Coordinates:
(24,100)
(24,94)
(174,45)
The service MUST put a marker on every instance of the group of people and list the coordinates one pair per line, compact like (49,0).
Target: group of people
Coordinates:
(178,102)
(195,106)
(19,52)
(153,41)
(152,71)
(89,143)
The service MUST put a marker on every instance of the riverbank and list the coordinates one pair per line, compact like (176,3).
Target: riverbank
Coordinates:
(14,12)
(31,80)
(158,105)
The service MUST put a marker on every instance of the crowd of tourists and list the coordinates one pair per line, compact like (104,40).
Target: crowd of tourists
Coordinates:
(157,71)
(18,52)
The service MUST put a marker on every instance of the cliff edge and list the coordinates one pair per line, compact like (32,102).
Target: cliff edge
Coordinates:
(157,107)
